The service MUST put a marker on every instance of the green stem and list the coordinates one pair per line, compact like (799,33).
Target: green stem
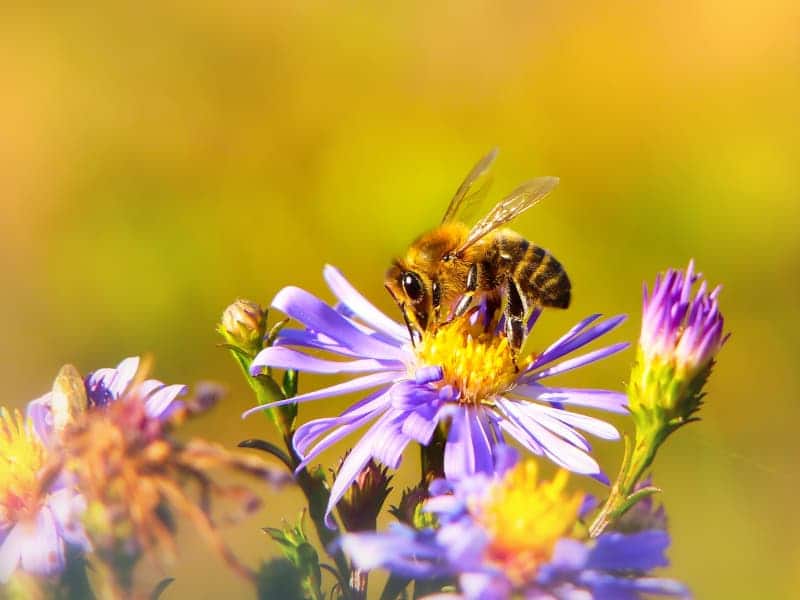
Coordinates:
(635,463)
(432,457)
(267,391)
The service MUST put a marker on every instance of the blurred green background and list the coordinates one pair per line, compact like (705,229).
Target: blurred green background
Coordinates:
(157,161)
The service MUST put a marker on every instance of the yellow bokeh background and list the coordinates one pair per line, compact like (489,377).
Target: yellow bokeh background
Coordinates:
(159,160)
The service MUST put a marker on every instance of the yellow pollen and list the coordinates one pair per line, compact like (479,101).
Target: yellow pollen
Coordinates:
(478,364)
(22,455)
(525,518)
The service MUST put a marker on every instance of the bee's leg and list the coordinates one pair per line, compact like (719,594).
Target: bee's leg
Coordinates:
(515,316)
(466,299)
(413,333)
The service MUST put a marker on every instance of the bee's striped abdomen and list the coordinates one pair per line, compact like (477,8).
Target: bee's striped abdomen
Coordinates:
(542,279)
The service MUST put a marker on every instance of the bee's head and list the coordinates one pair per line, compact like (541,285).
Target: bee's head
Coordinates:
(412,290)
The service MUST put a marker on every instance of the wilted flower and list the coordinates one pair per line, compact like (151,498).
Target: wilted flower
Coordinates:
(680,337)
(133,476)
(39,515)
(460,373)
(511,535)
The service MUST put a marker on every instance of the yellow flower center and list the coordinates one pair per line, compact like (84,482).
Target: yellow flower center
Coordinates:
(525,518)
(22,455)
(478,364)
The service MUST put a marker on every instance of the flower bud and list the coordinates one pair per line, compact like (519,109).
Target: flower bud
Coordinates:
(361,503)
(244,325)
(680,338)
(410,510)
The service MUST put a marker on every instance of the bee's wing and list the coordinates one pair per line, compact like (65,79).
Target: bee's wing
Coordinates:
(474,186)
(517,202)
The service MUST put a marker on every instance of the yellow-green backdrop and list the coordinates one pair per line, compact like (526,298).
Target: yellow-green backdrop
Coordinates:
(158,160)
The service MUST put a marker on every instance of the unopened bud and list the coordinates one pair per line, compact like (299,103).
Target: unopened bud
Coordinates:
(244,325)
(410,510)
(362,502)
(680,338)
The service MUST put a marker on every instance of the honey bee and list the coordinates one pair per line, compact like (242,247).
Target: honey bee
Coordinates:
(446,268)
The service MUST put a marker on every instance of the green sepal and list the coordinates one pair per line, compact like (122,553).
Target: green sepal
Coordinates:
(301,554)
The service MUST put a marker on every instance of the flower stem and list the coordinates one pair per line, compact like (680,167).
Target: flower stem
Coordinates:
(432,458)
(313,487)
(636,460)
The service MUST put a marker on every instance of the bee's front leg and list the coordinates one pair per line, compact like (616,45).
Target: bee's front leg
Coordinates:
(515,316)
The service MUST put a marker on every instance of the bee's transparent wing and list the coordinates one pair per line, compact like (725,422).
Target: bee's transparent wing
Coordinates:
(472,189)
(517,202)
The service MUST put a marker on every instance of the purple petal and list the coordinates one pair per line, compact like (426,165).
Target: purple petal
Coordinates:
(641,551)
(390,441)
(615,402)
(485,586)
(511,427)
(303,439)
(596,427)
(160,403)
(468,449)
(312,339)
(68,508)
(286,358)
(552,423)
(578,361)
(38,412)
(410,395)
(421,424)
(318,316)
(577,340)
(34,546)
(505,458)
(556,449)
(352,298)
(353,385)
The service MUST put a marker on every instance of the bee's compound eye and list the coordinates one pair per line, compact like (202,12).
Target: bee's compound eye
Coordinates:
(412,286)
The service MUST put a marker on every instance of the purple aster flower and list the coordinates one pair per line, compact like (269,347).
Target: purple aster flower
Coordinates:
(460,373)
(509,535)
(39,514)
(680,338)
(677,328)
(107,385)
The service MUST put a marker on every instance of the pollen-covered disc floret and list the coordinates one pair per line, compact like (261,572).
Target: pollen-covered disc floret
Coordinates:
(22,455)
(524,518)
(478,364)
